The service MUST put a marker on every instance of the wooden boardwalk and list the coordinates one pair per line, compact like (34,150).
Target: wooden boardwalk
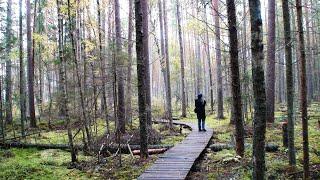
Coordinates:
(177,161)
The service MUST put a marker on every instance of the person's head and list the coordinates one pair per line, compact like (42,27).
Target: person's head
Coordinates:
(199,96)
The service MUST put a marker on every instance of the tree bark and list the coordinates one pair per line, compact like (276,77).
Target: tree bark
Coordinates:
(289,74)
(3,133)
(120,77)
(218,59)
(141,19)
(270,77)
(235,78)
(63,83)
(102,65)
(8,79)
(245,77)
(33,122)
(129,69)
(303,91)
(167,64)
(182,69)
(79,83)
(23,114)
(259,122)
(209,61)
(308,54)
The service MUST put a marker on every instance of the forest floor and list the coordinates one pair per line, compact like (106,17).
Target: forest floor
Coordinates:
(226,165)
(31,163)
(55,164)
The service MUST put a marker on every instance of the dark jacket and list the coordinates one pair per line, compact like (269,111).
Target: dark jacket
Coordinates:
(200,108)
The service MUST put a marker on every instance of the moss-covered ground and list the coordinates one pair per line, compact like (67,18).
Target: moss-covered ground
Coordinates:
(55,164)
(225,165)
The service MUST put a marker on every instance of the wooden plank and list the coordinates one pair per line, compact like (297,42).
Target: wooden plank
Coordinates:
(177,161)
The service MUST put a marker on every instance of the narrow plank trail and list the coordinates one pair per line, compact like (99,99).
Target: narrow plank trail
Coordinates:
(177,161)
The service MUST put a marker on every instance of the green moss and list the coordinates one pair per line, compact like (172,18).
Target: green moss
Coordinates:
(34,164)
(277,162)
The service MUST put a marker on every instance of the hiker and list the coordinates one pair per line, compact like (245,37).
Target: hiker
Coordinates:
(200,104)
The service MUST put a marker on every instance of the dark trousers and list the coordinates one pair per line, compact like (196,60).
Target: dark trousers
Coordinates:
(201,123)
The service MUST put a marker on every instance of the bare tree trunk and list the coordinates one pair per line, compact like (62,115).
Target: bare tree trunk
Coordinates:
(162,59)
(209,61)
(3,133)
(102,65)
(182,74)
(259,122)
(289,74)
(308,53)
(130,44)
(245,85)
(141,18)
(166,50)
(120,77)
(303,92)
(218,59)
(23,114)
(79,83)
(63,83)
(33,122)
(235,77)
(49,78)
(8,79)
(270,79)
(38,23)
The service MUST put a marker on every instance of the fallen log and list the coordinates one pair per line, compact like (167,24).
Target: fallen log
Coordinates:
(37,146)
(220,147)
(151,151)
(66,147)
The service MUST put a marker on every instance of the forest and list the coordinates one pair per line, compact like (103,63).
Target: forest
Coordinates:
(112,89)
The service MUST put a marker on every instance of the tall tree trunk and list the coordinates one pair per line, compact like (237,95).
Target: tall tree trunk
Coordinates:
(120,77)
(235,77)
(303,91)
(3,133)
(141,18)
(162,59)
(209,61)
(218,59)
(245,83)
(289,74)
(8,105)
(308,53)
(23,114)
(102,64)
(129,69)
(259,122)
(63,83)
(79,83)
(49,78)
(33,122)
(270,79)
(182,69)
(40,30)
(167,64)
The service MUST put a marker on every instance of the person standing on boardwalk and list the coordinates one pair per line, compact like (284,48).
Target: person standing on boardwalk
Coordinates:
(200,104)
